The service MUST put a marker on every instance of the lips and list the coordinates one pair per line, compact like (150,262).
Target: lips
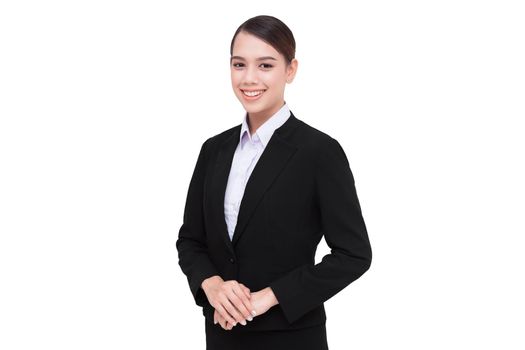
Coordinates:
(252,95)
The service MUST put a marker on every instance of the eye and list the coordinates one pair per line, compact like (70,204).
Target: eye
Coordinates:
(263,65)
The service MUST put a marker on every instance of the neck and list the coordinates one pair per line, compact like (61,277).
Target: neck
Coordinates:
(255,120)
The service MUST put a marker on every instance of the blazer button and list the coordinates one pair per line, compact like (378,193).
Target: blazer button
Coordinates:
(232,260)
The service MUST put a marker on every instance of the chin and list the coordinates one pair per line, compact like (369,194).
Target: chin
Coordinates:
(254,110)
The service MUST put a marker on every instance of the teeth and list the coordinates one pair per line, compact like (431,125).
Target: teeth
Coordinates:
(253,93)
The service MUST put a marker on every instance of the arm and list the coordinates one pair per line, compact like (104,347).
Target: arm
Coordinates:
(191,243)
(308,286)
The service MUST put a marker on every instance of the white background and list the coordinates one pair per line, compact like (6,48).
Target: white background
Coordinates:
(104,106)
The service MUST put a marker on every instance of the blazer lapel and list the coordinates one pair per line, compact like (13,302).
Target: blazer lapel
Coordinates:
(272,161)
(220,181)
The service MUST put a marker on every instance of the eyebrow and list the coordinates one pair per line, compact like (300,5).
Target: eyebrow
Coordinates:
(257,59)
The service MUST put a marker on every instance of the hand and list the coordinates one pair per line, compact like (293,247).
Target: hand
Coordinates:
(263,300)
(230,299)
(217,317)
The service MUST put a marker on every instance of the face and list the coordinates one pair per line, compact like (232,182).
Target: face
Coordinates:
(259,74)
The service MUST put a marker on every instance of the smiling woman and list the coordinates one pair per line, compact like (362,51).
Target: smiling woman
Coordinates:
(262,195)
(262,63)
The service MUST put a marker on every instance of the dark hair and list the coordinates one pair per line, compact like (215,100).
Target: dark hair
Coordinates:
(271,30)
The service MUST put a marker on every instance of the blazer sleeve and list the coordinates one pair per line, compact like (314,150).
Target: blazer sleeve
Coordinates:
(308,286)
(191,243)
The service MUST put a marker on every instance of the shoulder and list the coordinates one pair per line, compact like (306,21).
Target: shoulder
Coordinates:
(316,141)
(326,154)
(216,140)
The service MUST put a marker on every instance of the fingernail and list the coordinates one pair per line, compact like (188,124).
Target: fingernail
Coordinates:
(250,318)
(214,322)
(254,313)
(243,322)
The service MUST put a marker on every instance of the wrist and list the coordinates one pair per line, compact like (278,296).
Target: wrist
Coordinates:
(210,281)
(271,297)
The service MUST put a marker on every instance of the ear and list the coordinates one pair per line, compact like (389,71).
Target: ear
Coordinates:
(291,70)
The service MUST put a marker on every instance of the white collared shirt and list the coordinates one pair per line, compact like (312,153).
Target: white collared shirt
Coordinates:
(246,155)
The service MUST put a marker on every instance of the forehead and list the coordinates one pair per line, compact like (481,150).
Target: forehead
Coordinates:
(251,47)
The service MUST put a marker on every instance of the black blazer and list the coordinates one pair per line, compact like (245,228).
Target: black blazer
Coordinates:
(301,188)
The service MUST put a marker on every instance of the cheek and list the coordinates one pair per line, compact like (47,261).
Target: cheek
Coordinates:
(235,77)
(275,81)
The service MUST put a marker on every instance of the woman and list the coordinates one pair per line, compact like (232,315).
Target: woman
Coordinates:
(262,195)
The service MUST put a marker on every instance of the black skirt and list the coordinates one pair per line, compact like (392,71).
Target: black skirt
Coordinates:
(311,338)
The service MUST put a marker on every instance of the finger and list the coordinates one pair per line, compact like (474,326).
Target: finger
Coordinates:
(242,303)
(247,304)
(220,320)
(223,323)
(229,326)
(237,299)
(232,310)
(224,311)
(246,290)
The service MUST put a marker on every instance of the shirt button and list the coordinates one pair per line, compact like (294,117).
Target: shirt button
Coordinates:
(232,260)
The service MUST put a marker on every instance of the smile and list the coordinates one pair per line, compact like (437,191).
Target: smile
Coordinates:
(252,93)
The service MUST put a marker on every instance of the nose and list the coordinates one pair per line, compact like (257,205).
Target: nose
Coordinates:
(250,77)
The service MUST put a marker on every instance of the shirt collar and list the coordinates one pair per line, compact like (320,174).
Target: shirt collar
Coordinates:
(265,131)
